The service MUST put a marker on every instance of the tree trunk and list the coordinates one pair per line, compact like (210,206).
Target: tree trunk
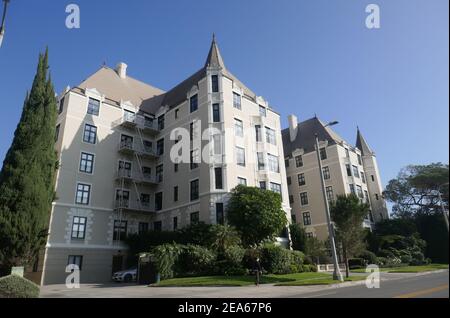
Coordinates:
(344,251)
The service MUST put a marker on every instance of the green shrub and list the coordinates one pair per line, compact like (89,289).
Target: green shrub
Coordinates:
(276,259)
(197,234)
(14,286)
(195,260)
(369,257)
(308,268)
(231,262)
(165,257)
(357,263)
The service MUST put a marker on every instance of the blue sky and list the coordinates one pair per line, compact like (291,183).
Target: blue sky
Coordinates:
(305,57)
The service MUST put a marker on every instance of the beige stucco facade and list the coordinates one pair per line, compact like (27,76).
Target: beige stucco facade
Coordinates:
(96,196)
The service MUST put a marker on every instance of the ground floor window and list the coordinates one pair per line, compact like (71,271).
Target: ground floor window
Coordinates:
(195,217)
(120,230)
(75,260)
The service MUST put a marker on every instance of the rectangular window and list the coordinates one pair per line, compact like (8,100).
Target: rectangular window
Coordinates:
(83,194)
(240,156)
(236,100)
(126,142)
(157,226)
(129,116)
(326,173)
(347,153)
(191,131)
(145,200)
(78,227)
(373,178)
(275,187)
(304,198)
(61,105)
(143,227)
(218,178)
(194,190)
(93,107)
(274,164)
(175,194)
(291,199)
(216,113)
(301,179)
(306,218)
(217,140)
(238,128)
(175,223)
(359,160)
(90,134)
(161,122)
(58,128)
(330,194)
(286,163)
(124,169)
(366,195)
(262,185)
(75,260)
(352,189)
(219,213)
(194,103)
(258,133)
(262,111)
(363,177)
(289,180)
(242,181)
(377,196)
(175,167)
(360,191)
(323,153)
(86,162)
(158,201)
(147,172)
(159,173)
(215,83)
(294,218)
(176,113)
(261,164)
(195,217)
(120,230)
(194,157)
(349,170)
(299,161)
(355,172)
(122,198)
(270,136)
(160,147)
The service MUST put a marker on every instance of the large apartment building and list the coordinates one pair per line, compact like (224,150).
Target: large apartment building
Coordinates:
(119,173)
(346,169)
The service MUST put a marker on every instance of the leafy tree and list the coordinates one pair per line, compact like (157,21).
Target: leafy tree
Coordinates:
(298,237)
(256,214)
(198,234)
(27,176)
(348,213)
(414,194)
(414,191)
(316,250)
(224,237)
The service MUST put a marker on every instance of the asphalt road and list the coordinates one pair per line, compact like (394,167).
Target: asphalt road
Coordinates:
(434,285)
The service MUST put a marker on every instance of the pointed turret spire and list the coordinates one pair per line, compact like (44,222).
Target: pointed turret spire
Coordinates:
(362,145)
(214,58)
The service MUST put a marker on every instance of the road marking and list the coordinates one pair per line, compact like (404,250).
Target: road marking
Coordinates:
(423,292)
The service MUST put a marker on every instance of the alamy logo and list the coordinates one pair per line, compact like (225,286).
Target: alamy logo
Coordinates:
(373,279)
(373,19)
(73,19)
(73,279)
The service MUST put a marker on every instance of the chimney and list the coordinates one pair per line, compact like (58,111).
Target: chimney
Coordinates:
(121,70)
(293,123)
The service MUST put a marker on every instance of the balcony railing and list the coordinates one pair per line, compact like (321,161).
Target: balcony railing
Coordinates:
(149,125)
(129,147)
(130,205)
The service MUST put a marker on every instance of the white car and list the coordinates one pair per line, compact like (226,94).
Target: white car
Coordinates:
(126,276)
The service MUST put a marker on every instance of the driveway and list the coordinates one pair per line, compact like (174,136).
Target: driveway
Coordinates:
(431,284)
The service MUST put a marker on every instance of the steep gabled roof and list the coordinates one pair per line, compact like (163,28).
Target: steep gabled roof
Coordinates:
(305,139)
(214,58)
(362,145)
(109,83)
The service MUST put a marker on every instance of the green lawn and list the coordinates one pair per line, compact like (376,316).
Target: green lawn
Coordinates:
(408,269)
(280,280)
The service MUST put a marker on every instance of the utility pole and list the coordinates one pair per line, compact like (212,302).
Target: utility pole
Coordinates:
(2,26)
(336,273)
(442,205)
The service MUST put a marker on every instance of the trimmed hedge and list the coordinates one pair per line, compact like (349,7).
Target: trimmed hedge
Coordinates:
(14,286)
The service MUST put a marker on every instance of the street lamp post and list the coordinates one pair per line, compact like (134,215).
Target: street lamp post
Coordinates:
(2,26)
(336,273)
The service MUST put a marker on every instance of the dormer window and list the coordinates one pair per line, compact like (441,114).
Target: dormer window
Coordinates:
(262,111)
(93,107)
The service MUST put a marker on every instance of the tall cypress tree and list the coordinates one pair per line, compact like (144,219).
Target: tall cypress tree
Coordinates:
(27,176)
